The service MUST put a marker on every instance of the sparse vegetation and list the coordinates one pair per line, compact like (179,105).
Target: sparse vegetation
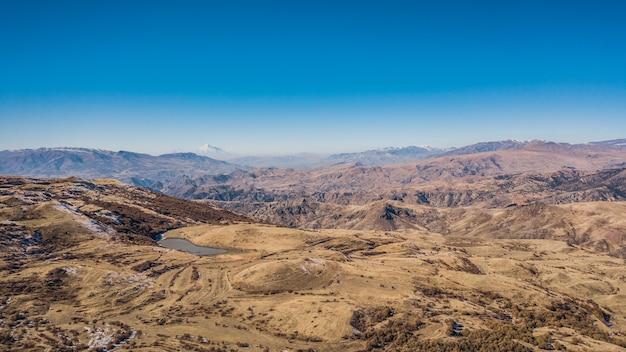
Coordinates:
(70,285)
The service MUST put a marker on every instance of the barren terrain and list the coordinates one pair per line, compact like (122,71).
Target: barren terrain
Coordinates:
(332,196)
(79,273)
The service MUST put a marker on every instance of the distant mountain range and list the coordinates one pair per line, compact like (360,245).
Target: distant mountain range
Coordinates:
(485,175)
(294,161)
(139,169)
(384,156)
(372,157)
(163,171)
(611,143)
(393,155)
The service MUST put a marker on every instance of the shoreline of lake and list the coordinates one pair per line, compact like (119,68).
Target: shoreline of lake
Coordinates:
(182,244)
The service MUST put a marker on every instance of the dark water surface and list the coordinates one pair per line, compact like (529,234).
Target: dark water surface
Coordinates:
(182,244)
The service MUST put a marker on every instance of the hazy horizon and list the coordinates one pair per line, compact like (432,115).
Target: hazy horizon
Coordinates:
(226,155)
(280,77)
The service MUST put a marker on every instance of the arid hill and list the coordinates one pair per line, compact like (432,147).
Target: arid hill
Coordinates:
(560,187)
(536,157)
(110,206)
(80,271)
(533,173)
(595,225)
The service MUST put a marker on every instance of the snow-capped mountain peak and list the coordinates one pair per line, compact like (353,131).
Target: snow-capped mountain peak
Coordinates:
(211,149)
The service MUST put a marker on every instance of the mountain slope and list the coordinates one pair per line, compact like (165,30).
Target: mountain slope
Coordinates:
(141,169)
(297,161)
(537,172)
(598,226)
(384,156)
(79,272)
(110,207)
(483,147)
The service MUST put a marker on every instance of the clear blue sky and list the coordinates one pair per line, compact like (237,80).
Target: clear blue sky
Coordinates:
(276,77)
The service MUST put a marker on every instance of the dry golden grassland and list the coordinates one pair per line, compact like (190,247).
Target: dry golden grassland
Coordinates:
(328,290)
(67,284)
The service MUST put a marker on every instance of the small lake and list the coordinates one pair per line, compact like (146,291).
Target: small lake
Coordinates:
(184,245)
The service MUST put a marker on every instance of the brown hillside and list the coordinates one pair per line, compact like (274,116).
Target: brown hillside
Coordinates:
(537,172)
(296,209)
(538,158)
(434,280)
(108,206)
(596,225)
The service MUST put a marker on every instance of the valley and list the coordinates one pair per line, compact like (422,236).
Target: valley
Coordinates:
(333,196)
(499,247)
(73,280)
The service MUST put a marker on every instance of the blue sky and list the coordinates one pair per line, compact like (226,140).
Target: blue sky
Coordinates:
(280,77)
